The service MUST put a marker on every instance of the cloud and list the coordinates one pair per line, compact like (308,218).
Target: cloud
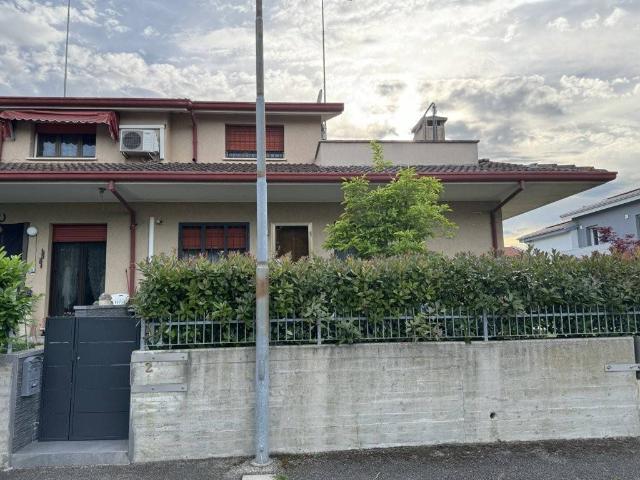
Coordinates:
(616,16)
(149,31)
(534,80)
(560,24)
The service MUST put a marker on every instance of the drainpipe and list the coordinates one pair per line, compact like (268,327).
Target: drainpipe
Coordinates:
(493,214)
(132,237)
(152,237)
(194,135)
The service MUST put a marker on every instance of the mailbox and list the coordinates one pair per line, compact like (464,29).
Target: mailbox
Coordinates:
(31,376)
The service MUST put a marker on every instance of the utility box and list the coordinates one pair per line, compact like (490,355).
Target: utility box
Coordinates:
(31,376)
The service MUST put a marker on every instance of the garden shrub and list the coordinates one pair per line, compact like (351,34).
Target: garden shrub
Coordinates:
(16,299)
(318,287)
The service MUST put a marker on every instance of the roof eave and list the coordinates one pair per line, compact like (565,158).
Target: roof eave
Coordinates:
(167,104)
(70,176)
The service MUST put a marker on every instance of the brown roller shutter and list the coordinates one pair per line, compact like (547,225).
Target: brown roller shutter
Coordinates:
(80,233)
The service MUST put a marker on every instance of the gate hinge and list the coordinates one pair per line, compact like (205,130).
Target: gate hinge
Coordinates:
(622,367)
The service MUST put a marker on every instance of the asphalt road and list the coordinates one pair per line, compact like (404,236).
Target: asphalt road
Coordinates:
(566,460)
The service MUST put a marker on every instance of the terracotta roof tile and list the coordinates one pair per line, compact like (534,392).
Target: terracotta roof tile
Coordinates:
(484,166)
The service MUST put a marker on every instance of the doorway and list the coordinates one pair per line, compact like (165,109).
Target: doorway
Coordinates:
(293,240)
(78,259)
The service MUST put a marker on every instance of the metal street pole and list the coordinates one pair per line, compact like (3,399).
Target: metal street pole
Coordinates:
(324,66)
(262,270)
(66,49)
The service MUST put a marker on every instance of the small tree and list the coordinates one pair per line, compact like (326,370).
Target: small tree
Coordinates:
(628,245)
(16,300)
(391,219)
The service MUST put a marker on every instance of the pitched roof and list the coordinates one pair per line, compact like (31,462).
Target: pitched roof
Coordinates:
(618,199)
(550,230)
(166,104)
(279,167)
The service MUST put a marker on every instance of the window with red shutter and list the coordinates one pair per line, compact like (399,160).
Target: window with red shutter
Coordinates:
(213,239)
(240,141)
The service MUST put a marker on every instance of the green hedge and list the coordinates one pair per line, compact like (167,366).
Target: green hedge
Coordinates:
(317,287)
(16,300)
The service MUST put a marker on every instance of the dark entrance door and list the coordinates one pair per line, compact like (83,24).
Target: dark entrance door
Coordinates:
(85,391)
(78,266)
(293,239)
(14,239)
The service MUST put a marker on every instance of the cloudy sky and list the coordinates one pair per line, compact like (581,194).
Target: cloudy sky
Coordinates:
(536,81)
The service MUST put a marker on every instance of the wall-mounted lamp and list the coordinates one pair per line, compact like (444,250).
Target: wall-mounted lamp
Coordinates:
(32,231)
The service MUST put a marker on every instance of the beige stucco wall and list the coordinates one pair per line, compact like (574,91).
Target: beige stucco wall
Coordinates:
(301,134)
(473,234)
(358,152)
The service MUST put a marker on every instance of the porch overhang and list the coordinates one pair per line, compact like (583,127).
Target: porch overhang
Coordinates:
(90,187)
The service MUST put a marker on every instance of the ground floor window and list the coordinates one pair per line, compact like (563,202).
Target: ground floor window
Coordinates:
(212,239)
(13,238)
(292,240)
(593,236)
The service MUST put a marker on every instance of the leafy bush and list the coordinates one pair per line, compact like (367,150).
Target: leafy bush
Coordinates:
(16,300)
(315,288)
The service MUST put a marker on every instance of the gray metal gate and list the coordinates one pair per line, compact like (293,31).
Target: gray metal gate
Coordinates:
(85,391)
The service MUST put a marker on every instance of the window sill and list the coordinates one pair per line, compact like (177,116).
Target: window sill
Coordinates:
(56,159)
(252,159)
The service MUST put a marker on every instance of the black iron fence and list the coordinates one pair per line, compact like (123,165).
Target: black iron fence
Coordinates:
(421,326)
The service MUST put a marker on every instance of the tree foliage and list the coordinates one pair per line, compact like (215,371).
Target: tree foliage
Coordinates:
(390,219)
(16,299)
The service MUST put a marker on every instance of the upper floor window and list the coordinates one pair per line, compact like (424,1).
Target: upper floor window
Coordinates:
(66,141)
(240,141)
(213,239)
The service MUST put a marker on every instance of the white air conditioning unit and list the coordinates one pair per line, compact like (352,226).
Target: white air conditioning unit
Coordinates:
(140,141)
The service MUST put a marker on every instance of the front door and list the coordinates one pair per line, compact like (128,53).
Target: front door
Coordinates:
(292,239)
(78,267)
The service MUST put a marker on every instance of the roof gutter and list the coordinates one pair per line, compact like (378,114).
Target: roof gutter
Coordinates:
(493,213)
(131,279)
(284,177)
(166,104)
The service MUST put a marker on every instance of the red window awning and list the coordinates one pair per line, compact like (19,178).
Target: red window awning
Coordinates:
(83,117)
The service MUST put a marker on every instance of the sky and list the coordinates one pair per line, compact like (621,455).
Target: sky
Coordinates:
(553,81)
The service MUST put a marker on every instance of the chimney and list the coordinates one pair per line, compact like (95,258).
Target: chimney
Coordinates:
(420,133)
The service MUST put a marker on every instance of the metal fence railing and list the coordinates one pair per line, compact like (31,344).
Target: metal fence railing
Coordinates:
(425,325)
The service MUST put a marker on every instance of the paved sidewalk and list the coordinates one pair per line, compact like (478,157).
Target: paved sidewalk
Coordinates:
(567,460)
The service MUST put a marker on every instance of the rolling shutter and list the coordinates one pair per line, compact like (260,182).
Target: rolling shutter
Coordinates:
(80,233)
(242,138)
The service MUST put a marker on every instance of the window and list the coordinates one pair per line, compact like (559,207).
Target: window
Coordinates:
(593,237)
(213,239)
(240,141)
(65,141)
(638,226)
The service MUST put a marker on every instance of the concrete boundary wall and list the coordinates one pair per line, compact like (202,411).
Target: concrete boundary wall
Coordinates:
(382,395)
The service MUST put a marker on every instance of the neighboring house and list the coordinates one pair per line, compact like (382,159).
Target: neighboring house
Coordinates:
(579,234)
(106,182)
(511,252)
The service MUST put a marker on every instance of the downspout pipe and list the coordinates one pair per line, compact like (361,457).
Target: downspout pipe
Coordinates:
(132,237)
(194,134)
(494,212)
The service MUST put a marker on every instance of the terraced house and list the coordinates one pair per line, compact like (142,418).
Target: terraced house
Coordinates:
(91,186)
